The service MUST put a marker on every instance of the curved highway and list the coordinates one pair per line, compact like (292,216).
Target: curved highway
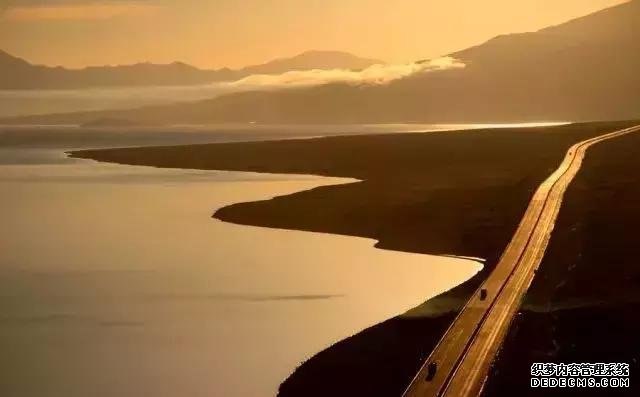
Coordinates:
(459,364)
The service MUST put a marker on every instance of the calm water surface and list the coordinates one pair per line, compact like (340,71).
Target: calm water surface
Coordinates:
(116,281)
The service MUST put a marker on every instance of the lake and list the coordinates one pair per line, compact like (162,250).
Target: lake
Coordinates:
(116,281)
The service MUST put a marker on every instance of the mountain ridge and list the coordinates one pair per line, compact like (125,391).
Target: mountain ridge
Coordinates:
(582,70)
(313,59)
(17,73)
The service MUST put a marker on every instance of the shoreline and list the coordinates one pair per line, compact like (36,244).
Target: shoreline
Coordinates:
(456,192)
(268,281)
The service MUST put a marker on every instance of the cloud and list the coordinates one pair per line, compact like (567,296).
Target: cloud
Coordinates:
(75,10)
(373,75)
(23,102)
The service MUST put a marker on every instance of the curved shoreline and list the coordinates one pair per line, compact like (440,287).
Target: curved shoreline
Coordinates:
(455,192)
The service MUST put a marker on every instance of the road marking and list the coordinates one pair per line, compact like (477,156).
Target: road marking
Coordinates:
(466,350)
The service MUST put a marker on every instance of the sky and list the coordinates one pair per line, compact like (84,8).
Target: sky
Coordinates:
(236,33)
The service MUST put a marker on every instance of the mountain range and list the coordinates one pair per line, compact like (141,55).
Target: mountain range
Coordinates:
(16,73)
(584,69)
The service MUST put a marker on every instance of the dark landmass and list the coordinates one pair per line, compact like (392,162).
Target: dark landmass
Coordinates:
(16,73)
(583,304)
(585,69)
(457,193)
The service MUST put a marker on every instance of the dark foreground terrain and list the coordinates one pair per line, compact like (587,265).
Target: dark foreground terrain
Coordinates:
(459,193)
(584,302)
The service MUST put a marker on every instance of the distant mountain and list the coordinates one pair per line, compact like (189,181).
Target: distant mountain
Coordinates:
(16,73)
(584,69)
(313,60)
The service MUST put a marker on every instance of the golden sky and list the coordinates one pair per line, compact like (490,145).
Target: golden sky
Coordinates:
(216,33)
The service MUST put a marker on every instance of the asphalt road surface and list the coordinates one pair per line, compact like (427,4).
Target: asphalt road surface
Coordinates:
(459,364)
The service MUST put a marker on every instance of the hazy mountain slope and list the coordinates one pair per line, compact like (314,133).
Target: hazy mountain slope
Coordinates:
(16,73)
(584,69)
(313,60)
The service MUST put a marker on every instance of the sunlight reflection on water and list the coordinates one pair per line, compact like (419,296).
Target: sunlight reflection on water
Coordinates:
(114,280)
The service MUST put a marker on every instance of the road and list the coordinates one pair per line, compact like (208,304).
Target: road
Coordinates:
(465,352)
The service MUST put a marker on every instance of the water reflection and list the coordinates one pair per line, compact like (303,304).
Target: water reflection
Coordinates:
(114,280)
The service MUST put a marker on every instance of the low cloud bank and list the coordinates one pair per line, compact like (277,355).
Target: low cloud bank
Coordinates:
(26,102)
(373,75)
